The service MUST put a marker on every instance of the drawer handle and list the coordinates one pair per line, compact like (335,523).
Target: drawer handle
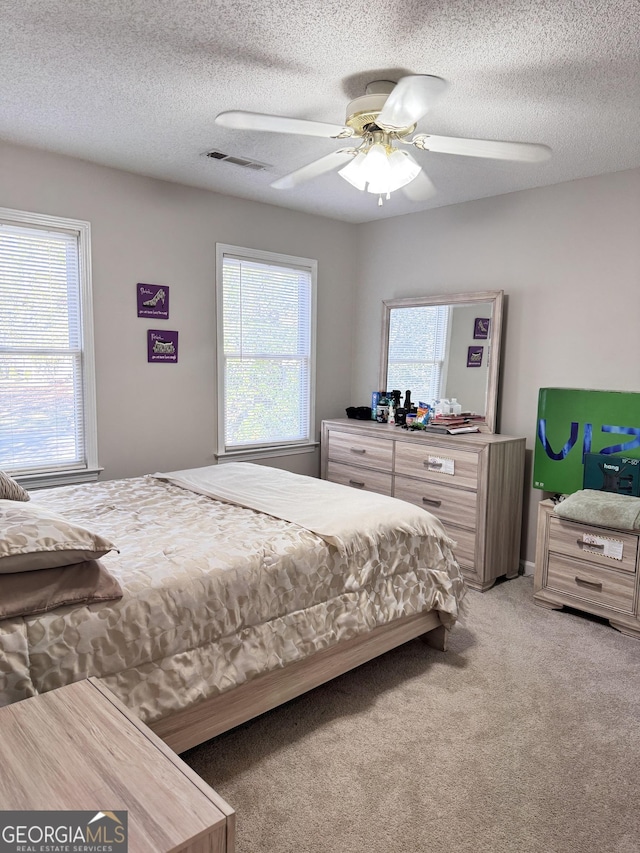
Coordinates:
(592,545)
(357,483)
(431,502)
(593,584)
(428,464)
(357,450)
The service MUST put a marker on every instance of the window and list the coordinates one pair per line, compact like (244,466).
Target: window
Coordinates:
(47,385)
(266,351)
(417,348)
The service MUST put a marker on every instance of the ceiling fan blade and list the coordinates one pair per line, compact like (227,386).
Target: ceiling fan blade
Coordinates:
(527,152)
(411,98)
(420,188)
(240,120)
(313,170)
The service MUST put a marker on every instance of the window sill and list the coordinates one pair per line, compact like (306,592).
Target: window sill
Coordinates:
(262,452)
(58,478)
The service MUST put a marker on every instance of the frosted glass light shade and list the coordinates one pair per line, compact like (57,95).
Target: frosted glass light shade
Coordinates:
(353,172)
(403,169)
(379,172)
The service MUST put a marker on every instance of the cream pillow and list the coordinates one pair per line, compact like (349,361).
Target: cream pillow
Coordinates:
(32,537)
(11,490)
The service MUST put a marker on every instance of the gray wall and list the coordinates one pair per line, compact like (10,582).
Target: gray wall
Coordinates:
(467,384)
(163,416)
(568,259)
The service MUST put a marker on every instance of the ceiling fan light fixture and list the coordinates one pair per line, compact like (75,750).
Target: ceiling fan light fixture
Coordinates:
(403,168)
(376,169)
(380,170)
(353,171)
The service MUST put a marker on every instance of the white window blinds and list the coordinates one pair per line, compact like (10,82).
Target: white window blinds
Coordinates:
(267,352)
(417,346)
(41,381)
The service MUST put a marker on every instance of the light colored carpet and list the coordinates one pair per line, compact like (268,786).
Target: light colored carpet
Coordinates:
(523,738)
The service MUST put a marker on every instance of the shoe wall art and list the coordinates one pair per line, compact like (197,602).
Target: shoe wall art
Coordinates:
(153,301)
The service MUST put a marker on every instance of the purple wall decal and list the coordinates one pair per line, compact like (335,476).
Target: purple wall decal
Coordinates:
(153,301)
(481,328)
(474,356)
(162,346)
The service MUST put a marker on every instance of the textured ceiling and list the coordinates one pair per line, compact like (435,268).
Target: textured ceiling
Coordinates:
(136,84)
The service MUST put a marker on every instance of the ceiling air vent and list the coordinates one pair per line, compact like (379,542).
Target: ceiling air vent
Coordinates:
(237,161)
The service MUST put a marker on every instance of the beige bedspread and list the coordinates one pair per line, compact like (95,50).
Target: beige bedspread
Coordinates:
(327,509)
(214,594)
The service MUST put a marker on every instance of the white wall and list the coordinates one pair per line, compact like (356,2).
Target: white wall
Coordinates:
(163,416)
(568,259)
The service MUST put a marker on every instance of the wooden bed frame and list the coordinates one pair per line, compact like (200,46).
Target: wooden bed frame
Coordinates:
(211,717)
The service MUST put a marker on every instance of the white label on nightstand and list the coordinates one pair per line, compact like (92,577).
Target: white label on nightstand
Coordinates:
(602,545)
(443,466)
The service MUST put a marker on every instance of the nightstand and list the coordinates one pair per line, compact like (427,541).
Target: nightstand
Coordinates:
(588,567)
(79,748)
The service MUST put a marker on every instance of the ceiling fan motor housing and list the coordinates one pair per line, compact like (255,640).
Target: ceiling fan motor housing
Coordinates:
(363,112)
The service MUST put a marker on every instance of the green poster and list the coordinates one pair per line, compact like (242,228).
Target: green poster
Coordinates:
(574,421)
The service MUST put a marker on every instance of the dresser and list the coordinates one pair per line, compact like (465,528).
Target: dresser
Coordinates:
(587,567)
(473,482)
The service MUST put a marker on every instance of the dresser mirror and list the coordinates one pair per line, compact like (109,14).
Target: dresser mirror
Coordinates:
(445,347)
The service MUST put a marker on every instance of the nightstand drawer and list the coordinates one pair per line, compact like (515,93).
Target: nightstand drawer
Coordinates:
(451,506)
(610,550)
(438,464)
(359,478)
(587,582)
(361,450)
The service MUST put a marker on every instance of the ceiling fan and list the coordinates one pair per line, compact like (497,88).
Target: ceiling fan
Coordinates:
(382,119)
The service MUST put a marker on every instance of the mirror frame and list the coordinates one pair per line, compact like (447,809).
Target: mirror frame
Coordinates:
(496,298)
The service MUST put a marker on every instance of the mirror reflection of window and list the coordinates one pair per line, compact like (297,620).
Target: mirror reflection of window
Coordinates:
(417,349)
(425,346)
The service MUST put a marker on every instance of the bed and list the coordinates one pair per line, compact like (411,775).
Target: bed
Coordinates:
(242,587)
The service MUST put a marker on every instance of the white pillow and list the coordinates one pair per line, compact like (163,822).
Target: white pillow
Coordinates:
(32,537)
(11,490)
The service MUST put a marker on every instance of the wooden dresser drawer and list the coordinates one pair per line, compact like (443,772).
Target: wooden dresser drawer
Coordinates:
(361,450)
(438,464)
(582,580)
(359,478)
(451,506)
(572,539)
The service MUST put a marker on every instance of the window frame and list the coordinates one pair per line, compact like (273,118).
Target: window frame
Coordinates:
(259,450)
(89,471)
